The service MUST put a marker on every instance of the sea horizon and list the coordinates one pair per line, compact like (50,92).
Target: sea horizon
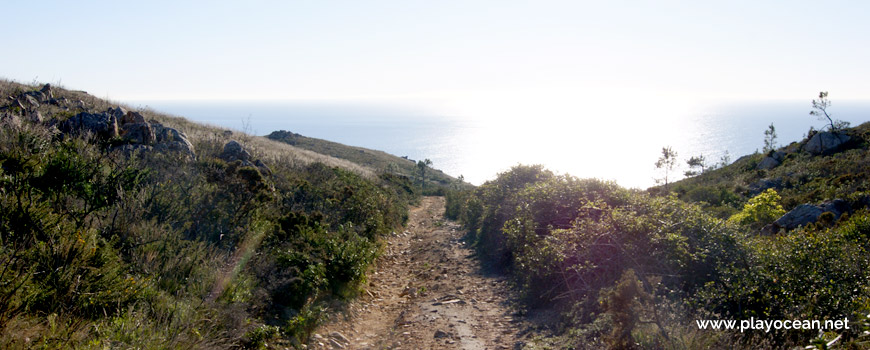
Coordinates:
(614,147)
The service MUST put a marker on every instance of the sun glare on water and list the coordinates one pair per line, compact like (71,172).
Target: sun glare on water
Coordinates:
(610,140)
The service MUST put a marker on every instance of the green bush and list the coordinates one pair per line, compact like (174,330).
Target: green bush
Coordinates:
(806,274)
(155,251)
(760,210)
(571,243)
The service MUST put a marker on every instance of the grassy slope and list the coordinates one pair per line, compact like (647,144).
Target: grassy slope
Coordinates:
(367,157)
(156,252)
(801,178)
(198,133)
(609,257)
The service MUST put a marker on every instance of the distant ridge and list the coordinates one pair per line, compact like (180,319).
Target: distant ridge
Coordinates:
(377,160)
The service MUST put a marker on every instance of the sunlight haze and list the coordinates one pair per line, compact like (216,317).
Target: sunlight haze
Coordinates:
(566,68)
(447,51)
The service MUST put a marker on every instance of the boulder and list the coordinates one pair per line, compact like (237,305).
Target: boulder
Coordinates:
(132,117)
(169,139)
(46,90)
(837,207)
(823,143)
(799,216)
(117,112)
(101,124)
(233,151)
(28,101)
(772,160)
(767,163)
(807,213)
(134,128)
(138,133)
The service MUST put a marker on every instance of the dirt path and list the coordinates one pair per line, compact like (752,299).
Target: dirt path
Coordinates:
(427,293)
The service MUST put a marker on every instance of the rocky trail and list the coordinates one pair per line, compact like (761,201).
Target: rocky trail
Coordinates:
(427,292)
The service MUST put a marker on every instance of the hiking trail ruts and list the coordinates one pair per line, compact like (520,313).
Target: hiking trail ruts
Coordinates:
(427,292)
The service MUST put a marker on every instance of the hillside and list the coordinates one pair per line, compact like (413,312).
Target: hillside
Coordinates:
(123,228)
(799,176)
(778,236)
(372,159)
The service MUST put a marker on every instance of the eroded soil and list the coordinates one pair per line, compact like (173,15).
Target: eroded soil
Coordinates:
(427,292)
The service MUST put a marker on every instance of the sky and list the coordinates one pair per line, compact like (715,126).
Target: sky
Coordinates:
(496,59)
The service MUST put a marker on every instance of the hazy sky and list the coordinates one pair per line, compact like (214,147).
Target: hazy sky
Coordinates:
(458,57)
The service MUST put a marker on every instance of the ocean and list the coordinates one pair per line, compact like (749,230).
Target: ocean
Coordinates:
(619,147)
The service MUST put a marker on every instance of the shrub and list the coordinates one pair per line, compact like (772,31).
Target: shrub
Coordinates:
(101,249)
(760,210)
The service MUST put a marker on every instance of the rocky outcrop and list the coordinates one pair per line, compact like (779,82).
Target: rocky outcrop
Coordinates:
(823,143)
(47,92)
(134,128)
(103,125)
(767,163)
(138,133)
(234,151)
(807,213)
(169,139)
(799,216)
(115,125)
(771,161)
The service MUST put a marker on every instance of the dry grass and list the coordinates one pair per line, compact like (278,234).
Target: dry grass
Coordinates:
(205,138)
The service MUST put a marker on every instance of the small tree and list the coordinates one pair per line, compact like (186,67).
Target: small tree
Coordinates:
(769,139)
(820,110)
(697,166)
(666,164)
(422,165)
(459,181)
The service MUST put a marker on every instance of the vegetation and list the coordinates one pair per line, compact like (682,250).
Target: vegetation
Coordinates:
(760,210)
(769,139)
(631,270)
(697,165)
(104,249)
(820,110)
(666,164)
(635,269)
(800,178)
(401,166)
